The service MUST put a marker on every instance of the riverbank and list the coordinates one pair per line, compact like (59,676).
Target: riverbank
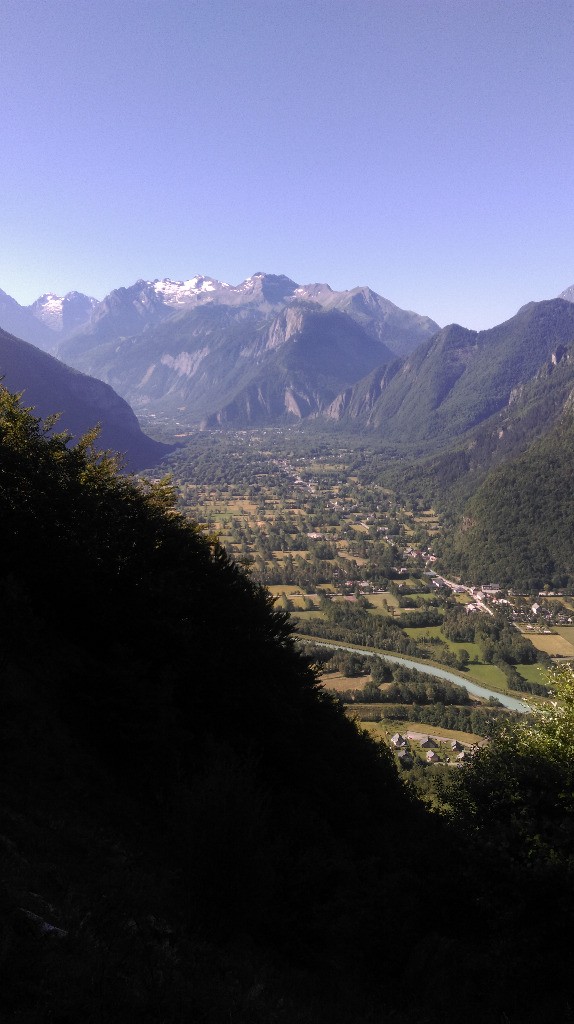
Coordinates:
(431,669)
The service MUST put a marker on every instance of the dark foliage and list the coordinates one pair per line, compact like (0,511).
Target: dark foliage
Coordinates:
(209,835)
(519,526)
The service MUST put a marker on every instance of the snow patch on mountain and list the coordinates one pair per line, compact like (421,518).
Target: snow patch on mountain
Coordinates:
(180,293)
(62,313)
(48,309)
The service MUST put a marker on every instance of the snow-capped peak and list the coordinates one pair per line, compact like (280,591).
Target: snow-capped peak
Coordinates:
(61,312)
(179,293)
(48,309)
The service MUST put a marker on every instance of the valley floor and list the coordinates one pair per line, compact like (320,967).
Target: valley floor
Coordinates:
(353,561)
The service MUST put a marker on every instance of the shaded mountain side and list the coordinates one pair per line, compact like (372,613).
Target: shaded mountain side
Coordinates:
(228,361)
(169,796)
(449,478)
(452,383)
(167,363)
(518,528)
(48,385)
(191,829)
(353,405)
(399,329)
(299,376)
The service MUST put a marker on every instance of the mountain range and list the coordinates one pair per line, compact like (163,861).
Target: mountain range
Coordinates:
(267,350)
(270,351)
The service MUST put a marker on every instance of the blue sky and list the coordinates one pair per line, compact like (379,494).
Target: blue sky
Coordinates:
(424,148)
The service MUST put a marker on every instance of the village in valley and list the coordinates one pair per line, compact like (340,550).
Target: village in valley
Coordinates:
(359,567)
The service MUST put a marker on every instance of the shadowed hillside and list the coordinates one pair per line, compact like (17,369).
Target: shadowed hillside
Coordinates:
(191,828)
(50,387)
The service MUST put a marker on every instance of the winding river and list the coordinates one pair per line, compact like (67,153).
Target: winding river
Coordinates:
(478,691)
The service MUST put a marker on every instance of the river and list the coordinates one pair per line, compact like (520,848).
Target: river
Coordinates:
(478,691)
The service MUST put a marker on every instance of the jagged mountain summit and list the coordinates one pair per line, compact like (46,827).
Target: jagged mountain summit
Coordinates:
(126,311)
(204,351)
(63,313)
(20,321)
(47,320)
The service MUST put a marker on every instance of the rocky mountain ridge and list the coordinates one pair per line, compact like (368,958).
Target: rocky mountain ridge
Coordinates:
(202,351)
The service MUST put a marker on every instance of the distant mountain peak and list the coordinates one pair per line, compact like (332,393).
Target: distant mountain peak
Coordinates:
(63,313)
(179,293)
(567,294)
(274,289)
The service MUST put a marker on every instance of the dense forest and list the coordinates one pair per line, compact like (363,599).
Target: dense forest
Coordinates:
(519,526)
(192,829)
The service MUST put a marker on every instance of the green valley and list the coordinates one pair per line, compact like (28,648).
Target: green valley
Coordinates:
(353,562)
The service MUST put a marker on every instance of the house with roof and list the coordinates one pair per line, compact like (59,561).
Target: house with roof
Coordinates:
(398,741)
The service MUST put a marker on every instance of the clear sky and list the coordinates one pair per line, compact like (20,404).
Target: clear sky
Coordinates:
(422,147)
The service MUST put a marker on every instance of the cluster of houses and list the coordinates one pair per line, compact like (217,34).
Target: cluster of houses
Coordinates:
(560,617)
(429,743)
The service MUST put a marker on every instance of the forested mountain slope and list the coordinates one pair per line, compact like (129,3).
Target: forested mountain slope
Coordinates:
(448,478)
(191,829)
(505,487)
(458,379)
(518,528)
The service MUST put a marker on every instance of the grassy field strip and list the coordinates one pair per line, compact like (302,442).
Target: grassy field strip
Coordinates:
(533,673)
(337,681)
(554,644)
(384,730)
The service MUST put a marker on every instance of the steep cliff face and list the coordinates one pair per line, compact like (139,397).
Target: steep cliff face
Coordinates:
(219,363)
(193,348)
(305,357)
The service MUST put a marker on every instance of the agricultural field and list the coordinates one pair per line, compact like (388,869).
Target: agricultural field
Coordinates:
(343,555)
(533,673)
(554,644)
(384,730)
